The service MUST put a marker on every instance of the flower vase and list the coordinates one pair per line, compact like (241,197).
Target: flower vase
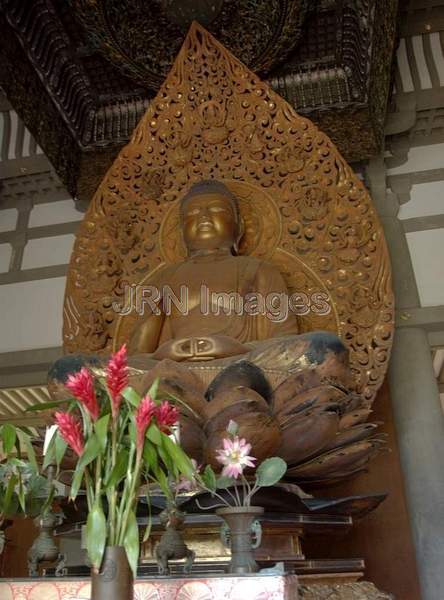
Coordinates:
(115,578)
(239,520)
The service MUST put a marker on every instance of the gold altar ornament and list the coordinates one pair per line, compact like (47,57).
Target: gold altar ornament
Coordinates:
(302,207)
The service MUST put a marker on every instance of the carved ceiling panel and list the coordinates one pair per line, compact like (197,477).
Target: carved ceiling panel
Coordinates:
(82,73)
(260,33)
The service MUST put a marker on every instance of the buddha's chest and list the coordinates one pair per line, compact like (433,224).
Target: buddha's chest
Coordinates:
(195,281)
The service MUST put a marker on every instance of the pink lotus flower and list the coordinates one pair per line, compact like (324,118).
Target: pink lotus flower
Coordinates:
(166,415)
(234,457)
(71,431)
(145,413)
(117,378)
(81,385)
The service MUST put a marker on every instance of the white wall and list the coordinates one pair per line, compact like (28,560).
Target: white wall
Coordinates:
(31,314)
(45,252)
(31,311)
(426,200)
(50,213)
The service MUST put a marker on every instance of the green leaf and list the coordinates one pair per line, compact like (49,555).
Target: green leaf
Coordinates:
(270,471)
(50,451)
(132,431)
(48,502)
(223,482)
(167,461)
(119,470)
(9,437)
(38,496)
(21,495)
(49,456)
(17,462)
(76,481)
(131,542)
(147,531)
(91,451)
(131,396)
(150,455)
(9,492)
(154,389)
(38,486)
(179,458)
(25,440)
(47,405)
(101,429)
(154,435)
(162,480)
(59,449)
(96,535)
(209,478)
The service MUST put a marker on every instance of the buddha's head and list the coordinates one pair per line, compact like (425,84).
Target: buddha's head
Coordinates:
(210,218)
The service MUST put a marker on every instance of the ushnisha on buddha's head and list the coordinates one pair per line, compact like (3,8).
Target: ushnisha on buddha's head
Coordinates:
(210,218)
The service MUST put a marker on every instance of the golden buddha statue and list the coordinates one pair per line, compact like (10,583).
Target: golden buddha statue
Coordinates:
(223,320)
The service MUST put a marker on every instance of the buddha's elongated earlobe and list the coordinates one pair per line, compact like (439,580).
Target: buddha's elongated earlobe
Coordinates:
(240,233)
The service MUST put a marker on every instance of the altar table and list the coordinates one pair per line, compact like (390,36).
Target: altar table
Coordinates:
(252,587)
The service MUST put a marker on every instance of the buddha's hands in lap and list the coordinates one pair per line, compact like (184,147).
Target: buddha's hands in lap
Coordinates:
(200,348)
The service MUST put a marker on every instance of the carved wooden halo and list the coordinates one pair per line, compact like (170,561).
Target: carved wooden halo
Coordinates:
(260,215)
(214,119)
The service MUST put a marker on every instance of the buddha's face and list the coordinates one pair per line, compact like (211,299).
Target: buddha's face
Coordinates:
(209,221)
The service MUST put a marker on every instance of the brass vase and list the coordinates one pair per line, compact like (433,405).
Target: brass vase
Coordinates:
(115,578)
(242,543)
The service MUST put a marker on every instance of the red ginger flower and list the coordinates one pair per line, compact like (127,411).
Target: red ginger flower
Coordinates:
(117,378)
(81,384)
(71,431)
(145,412)
(167,415)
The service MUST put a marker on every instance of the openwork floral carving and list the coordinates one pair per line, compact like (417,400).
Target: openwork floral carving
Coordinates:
(303,207)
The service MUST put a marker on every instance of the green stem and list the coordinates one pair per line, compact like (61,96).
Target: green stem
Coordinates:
(236,491)
(214,493)
(89,489)
(124,494)
(252,492)
(98,476)
(113,494)
(130,500)
(231,495)
(246,486)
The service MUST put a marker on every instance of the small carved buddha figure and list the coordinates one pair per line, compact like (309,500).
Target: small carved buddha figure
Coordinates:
(223,320)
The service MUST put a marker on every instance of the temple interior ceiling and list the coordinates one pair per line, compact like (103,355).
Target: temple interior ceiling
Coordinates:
(80,76)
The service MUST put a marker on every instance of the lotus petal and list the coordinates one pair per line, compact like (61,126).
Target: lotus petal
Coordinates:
(316,396)
(354,417)
(353,434)
(336,461)
(307,434)
(233,397)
